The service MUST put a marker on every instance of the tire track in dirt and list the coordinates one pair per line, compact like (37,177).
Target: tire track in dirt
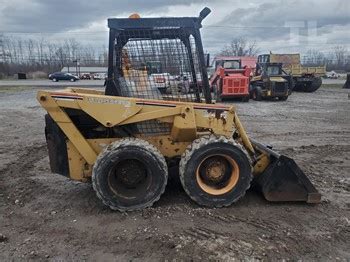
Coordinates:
(305,134)
(14,182)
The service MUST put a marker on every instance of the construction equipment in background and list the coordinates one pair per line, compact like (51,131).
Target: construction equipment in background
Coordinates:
(126,138)
(306,79)
(231,77)
(270,82)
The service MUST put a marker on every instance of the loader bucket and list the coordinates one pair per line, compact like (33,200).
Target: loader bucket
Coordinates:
(283,180)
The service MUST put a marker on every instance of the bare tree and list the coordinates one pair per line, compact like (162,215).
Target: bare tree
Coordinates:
(314,58)
(30,50)
(74,47)
(340,53)
(240,47)
(61,55)
(40,45)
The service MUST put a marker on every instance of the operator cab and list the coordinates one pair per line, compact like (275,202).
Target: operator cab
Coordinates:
(269,69)
(264,59)
(228,64)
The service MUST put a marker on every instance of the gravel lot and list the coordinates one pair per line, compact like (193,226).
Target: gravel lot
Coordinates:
(48,217)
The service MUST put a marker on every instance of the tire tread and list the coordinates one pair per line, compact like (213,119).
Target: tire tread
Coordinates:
(104,155)
(192,148)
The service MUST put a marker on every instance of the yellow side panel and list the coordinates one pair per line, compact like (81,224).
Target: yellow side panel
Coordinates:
(78,168)
(167,146)
(109,111)
(184,127)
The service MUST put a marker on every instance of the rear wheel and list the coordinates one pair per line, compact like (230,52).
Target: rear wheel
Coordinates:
(245,98)
(316,84)
(215,171)
(257,94)
(129,174)
(309,86)
(72,80)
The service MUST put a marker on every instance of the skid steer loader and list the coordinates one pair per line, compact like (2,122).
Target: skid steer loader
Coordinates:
(124,139)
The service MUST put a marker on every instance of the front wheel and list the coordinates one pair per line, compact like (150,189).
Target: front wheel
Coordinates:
(54,80)
(129,174)
(282,98)
(72,79)
(257,93)
(215,171)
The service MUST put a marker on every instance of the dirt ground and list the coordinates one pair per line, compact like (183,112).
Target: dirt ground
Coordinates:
(44,216)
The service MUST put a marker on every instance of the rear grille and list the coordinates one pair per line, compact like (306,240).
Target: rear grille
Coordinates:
(280,87)
(235,86)
(236,83)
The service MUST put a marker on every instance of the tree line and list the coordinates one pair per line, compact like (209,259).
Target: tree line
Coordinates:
(30,55)
(337,59)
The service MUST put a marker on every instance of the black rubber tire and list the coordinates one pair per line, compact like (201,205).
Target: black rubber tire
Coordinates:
(200,149)
(282,98)
(316,84)
(291,86)
(310,86)
(257,93)
(121,152)
(251,88)
(245,99)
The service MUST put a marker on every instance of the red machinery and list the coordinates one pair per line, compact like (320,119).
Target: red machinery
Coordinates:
(232,76)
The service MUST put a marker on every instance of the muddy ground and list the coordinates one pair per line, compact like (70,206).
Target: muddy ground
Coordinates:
(48,217)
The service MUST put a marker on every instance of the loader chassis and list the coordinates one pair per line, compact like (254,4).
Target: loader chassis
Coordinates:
(270,82)
(126,138)
(305,79)
(230,79)
(189,121)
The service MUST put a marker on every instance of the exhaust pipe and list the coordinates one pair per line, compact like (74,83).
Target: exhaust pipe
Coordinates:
(204,13)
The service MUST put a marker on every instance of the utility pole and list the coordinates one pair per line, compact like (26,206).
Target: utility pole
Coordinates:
(77,66)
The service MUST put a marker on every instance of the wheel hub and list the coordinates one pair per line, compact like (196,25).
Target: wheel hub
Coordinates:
(130,173)
(215,170)
(217,174)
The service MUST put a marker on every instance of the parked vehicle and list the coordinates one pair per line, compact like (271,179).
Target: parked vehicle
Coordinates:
(270,82)
(332,75)
(85,77)
(161,81)
(57,76)
(231,77)
(99,76)
(305,79)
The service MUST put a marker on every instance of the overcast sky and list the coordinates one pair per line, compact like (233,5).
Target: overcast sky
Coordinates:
(276,25)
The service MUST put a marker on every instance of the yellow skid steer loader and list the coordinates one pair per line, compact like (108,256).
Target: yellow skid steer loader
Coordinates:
(124,139)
